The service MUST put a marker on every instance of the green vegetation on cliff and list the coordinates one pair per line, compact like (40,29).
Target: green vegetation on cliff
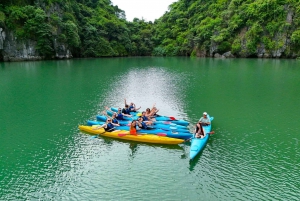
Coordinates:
(96,28)
(244,27)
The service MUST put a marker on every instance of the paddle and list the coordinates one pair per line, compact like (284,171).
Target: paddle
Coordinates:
(158,134)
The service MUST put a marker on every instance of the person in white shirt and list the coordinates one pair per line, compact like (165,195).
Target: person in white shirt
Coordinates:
(205,121)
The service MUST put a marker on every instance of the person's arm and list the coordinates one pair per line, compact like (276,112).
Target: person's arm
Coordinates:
(127,115)
(125,101)
(105,114)
(100,126)
(139,125)
(116,124)
(107,108)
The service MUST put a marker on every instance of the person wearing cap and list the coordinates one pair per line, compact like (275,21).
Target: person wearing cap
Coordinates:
(205,121)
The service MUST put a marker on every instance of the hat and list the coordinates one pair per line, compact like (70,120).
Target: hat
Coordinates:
(205,113)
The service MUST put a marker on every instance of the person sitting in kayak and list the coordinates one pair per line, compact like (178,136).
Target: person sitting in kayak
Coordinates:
(126,110)
(199,131)
(108,126)
(205,121)
(143,125)
(146,118)
(132,130)
(113,118)
(120,115)
(153,112)
(132,106)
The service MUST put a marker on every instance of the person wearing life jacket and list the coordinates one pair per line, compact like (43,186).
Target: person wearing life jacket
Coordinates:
(148,120)
(132,106)
(132,129)
(126,110)
(143,125)
(119,115)
(199,133)
(108,126)
(113,118)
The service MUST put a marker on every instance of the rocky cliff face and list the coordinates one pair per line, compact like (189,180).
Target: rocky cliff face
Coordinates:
(281,41)
(15,49)
(12,49)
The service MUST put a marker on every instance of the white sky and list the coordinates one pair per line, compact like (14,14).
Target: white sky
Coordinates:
(147,9)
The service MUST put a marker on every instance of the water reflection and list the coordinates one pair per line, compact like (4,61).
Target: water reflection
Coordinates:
(146,86)
(133,147)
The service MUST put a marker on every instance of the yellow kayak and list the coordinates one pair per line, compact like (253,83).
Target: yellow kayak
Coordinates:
(120,134)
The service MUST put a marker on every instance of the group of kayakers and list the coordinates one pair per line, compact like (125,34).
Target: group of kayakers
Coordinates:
(145,119)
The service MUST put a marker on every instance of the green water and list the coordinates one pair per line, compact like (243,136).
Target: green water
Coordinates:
(254,154)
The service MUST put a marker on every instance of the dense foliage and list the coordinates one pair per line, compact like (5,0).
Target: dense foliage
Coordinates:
(239,26)
(95,28)
(89,28)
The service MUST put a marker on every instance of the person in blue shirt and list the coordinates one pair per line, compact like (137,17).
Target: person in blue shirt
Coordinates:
(126,110)
(108,126)
(132,106)
(113,118)
(119,115)
(146,118)
(143,125)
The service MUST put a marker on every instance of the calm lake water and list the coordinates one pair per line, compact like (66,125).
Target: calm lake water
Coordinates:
(253,155)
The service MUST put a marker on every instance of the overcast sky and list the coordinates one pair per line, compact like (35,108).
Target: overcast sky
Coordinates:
(147,9)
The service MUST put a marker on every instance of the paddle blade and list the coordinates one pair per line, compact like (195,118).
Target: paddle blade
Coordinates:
(122,134)
(172,118)
(93,137)
(139,114)
(212,132)
(162,134)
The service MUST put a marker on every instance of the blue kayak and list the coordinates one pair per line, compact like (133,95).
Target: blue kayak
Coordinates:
(198,144)
(166,127)
(173,134)
(127,120)
(158,118)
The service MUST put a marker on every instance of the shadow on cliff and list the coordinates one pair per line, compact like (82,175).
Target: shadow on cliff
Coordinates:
(1,55)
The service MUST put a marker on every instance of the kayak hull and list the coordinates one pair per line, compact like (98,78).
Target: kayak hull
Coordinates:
(169,133)
(139,138)
(168,127)
(198,144)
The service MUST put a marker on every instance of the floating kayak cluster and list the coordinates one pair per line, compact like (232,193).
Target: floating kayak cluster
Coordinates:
(165,130)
